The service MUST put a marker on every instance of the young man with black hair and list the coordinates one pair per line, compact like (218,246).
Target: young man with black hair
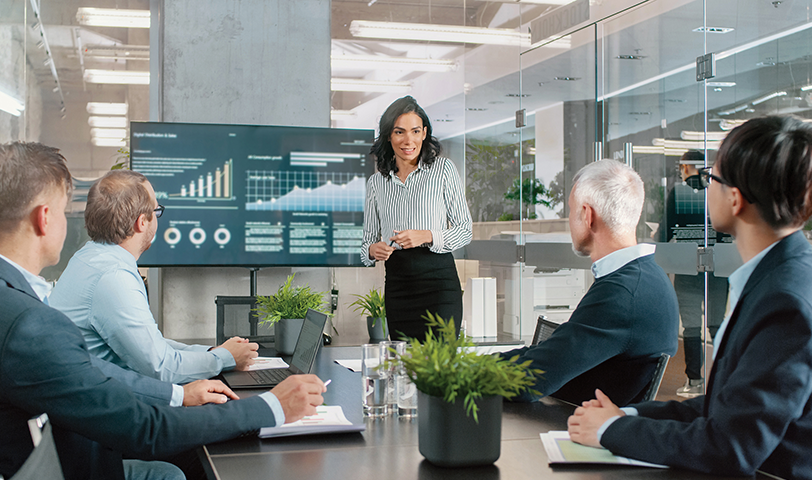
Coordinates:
(757,411)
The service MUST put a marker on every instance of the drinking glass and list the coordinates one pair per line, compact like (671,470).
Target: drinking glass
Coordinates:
(405,390)
(375,380)
(390,355)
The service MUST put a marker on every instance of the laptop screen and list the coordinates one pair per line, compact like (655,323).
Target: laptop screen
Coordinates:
(309,340)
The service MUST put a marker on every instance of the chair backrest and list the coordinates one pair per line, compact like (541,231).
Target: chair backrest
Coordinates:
(544,328)
(657,378)
(43,463)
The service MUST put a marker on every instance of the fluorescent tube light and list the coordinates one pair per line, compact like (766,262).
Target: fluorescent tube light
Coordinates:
(699,136)
(372,62)
(730,124)
(713,29)
(684,144)
(117,52)
(721,84)
(806,88)
(438,33)
(99,108)
(10,104)
(768,97)
(119,133)
(108,122)
(123,77)
(108,142)
(734,110)
(339,114)
(354,85)
(112,17)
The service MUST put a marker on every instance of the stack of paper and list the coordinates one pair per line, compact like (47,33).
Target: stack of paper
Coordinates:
(264,363)
(560,449)
(328,419)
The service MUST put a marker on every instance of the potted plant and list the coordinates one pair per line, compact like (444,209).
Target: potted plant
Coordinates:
(460,394)
(373,305)
(285,311)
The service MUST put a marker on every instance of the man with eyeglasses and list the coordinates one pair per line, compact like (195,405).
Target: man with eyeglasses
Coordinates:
(684,222)
(756,413)
(103,293)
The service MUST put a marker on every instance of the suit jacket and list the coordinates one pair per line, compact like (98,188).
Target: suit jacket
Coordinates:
(757,412)
(45,367)
(612,341)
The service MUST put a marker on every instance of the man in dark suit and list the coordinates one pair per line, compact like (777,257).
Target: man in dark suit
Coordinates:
(757,411)
(45,366)
(629,315)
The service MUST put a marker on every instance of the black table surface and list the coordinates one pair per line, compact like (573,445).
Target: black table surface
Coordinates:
(388,449)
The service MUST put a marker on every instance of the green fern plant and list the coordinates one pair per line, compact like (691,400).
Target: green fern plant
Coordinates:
(289,302)
(446,366)
(372,304)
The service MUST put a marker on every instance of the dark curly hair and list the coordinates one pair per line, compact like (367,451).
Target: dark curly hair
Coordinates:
(769,159)
(382,151)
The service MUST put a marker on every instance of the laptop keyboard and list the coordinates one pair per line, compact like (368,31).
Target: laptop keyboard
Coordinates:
(271,375)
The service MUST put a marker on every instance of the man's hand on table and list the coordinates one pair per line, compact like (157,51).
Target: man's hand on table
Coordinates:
(299,396)
(201,392)
(243,351)
(584,423)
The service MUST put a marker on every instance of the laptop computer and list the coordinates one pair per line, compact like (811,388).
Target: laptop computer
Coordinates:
(304,356)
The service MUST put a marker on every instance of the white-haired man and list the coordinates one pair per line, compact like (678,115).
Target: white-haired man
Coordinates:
(629,315)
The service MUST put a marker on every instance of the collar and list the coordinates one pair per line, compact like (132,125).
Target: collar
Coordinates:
(37,283)
(619,258)
(420,166)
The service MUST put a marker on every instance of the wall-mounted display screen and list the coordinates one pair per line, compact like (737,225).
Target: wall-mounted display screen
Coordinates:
(243,195)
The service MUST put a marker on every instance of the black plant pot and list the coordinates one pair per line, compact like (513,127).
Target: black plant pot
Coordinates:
(448,437)
(377,333)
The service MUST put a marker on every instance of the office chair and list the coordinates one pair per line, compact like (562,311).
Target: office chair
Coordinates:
(43,463)
(657,378)
(544,328)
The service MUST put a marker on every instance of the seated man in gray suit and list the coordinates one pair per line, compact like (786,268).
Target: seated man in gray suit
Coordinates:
(629,316)
(45,366)
(103,293)
(757,410)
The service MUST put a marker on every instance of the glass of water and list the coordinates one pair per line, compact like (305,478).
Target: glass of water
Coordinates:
(405,390)
(392,349)
(375,380)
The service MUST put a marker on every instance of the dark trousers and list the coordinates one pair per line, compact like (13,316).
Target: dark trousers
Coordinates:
(690,291)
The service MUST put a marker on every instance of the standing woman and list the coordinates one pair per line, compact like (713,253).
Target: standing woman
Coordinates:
(415,215)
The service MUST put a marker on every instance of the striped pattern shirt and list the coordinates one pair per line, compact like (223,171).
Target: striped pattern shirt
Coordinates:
(431,199)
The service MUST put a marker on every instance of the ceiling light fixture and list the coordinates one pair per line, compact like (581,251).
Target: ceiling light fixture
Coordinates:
(99,108)
(684,144)
(108,142)
(356,85)
(119,133)
(10,104)
(734,110)
(117,52)
(372,62)
(806,88)
(112,17)
(730,124)
(439,33)
(699,136)
(339,114)
(108,122)
(721,84)
(125,77)
(713,29)
(768,97)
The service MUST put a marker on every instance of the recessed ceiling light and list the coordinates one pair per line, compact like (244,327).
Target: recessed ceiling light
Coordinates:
(567,79)
(713,29)
(517,95)
(443,120)
(676,100)
(721,84)
(473,109)
(630,57)
(639,113)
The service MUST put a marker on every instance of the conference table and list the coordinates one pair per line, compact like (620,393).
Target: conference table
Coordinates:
(388,448)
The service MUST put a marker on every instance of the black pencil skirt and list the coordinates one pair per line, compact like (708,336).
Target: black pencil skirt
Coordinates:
(419,280)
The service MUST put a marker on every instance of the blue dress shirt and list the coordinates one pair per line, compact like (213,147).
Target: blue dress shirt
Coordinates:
(102,292)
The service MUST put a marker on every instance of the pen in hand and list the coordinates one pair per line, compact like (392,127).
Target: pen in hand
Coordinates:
(328,382)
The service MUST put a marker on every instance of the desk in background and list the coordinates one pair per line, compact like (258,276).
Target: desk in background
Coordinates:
(388,449)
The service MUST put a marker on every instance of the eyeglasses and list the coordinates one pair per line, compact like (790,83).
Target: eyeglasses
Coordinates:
(159,211)
(706,178)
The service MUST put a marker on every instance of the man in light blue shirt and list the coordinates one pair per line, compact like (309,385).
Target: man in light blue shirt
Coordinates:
(103,293)
(755,414)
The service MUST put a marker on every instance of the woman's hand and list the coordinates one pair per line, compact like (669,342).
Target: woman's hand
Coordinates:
(412,238)
(380,251)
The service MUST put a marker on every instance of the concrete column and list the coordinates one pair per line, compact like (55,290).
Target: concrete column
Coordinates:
(263,62)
